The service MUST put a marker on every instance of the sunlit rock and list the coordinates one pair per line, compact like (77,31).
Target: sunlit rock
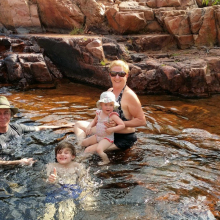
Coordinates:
(156,42)
(184,41)
(124,22)
(169,3)
(95,48)
(94,12)
(20,16)
(195,17)
(177,25)
(217,15)
(60,16)
(207,35)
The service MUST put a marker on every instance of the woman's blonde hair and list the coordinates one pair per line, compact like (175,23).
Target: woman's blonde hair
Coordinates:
(120,63)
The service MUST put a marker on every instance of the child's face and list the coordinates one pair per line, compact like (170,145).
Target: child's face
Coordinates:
(64,156)
(107,108)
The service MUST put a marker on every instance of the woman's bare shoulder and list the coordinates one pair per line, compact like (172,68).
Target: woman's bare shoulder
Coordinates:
(129,93)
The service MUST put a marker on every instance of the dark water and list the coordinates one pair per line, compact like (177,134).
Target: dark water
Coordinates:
(173,172)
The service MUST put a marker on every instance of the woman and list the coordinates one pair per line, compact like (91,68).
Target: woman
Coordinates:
(129,111)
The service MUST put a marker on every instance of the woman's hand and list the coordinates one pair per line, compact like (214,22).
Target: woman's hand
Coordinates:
(109,130)
(53,177)
(110,124)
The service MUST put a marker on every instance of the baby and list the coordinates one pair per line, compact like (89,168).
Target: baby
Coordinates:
(104,137)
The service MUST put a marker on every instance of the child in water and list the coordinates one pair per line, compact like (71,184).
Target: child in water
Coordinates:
(65,177)
(104,137)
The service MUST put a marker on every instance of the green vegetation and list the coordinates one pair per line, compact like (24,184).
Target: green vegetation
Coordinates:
(77,31)
(104,62)
(175,54)
(213,2)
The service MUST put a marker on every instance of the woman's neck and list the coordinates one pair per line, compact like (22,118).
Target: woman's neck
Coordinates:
(117,90)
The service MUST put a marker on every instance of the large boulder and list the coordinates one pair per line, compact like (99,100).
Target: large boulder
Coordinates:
(206,26)
(177,25)
(26,69)
(34,68)
(77,58)
(60,15)
(20,16)
(125,22)
(94,12)
(14,68)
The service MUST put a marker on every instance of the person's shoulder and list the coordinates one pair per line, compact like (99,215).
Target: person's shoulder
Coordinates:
(16,127)
(51,165)
(129,93)
(113,114)
(98,111)
(77,165)
(110,89)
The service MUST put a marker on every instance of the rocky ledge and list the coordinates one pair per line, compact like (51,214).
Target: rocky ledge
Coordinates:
(157,65)
(172,46)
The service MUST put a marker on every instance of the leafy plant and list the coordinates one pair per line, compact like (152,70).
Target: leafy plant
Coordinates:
(175,54)
(76,31)
(104,62)
(213,2)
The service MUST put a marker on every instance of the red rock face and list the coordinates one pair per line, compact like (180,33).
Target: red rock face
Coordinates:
(207,34)
(179,18)
(60,14)
(19,16)
(124,22)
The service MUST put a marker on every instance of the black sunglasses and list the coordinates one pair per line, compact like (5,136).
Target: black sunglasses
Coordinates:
(115,73)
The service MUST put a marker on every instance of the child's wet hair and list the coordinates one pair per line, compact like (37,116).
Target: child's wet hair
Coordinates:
(65,144)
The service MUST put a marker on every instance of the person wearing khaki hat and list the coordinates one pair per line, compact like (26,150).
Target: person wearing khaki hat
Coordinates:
(9,131)
(4,103)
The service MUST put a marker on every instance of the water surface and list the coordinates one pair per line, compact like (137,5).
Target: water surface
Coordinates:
(173,172)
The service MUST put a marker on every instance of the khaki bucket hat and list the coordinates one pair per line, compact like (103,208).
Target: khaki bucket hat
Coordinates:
(4,103)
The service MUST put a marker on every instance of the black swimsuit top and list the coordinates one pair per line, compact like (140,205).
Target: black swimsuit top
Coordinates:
(119,110)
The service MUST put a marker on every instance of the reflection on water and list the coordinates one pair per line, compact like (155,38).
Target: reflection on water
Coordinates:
(173,172)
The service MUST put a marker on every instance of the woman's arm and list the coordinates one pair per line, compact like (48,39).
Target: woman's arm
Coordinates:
(24,161)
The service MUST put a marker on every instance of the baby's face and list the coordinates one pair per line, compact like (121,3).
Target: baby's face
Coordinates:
(107,108)
(64,156)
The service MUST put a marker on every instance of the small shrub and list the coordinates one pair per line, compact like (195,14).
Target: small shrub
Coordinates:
(175,54)
(213,2)
(76,31)
(104,62)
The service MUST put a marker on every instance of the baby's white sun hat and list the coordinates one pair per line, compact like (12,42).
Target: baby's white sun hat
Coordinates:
(107,97)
